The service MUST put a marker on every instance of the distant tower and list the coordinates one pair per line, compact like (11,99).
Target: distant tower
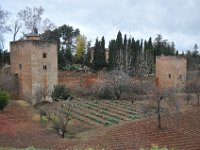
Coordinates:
(35,63)
(171,72)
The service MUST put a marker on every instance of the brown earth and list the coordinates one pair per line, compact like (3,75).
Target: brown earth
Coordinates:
(73,78)
(21,131)
(180,131)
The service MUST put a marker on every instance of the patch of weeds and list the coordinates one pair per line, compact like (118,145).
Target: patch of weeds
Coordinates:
(44,121)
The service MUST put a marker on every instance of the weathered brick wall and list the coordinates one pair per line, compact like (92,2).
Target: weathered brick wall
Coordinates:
(35,71)
(44,70)
(20,59)
(171,71)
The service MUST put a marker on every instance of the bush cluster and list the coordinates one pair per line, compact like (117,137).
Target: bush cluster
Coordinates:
(4,99)
(106,92)
(60,92)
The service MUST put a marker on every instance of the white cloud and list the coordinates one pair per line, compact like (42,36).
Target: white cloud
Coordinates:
(176,20)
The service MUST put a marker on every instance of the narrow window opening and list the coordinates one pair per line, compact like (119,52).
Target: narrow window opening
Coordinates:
(170,76)
(20,66)
(44,55)
(180,77)
(44,67)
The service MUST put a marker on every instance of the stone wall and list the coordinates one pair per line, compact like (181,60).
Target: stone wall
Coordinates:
(44,67)
(171,72)
(20,59)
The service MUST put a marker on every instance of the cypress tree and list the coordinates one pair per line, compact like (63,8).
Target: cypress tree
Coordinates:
(103,52)
(158,45)
(172,49)
(119,47)
(88,54)
(146,46)
(99,54)
(112,54)
(125,56)
(129,53)
(150,47)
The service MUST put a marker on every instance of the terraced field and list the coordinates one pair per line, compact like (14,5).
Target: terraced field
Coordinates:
(180,131)
(107,113)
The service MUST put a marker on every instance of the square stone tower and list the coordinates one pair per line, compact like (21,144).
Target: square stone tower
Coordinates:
(171,72)
(35,63)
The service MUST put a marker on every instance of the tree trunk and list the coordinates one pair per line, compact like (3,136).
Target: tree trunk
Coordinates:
(117,94)
(14,36)
(198,99)
(158,113)
(63,135)
(63,132)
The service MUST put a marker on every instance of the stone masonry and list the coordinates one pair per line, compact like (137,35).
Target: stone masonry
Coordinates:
(35,63)
(171,72)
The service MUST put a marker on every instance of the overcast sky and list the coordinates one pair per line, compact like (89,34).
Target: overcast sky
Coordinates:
(176,20)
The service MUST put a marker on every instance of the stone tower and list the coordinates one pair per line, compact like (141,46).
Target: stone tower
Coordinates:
(171,72)
(35,63)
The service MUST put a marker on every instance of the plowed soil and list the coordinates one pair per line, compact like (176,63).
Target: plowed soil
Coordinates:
(180,131)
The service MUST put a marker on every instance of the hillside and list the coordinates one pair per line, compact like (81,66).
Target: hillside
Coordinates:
(180,131)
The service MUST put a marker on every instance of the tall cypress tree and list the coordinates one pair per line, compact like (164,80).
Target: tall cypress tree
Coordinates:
(88,54)
(150,47)
(134,53)
(99,54)
(146,47)
(172,50)
(103,52)
(112,54)
(158,45)
(119,47)
(125,54)
(129,53)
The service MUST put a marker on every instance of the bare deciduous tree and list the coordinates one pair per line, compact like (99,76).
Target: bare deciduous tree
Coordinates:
(3,26)
(194,87)
(116,81)
(31,18)
(63,116)
(47,25)
(33,21)
(15,27)
(158,96)
(188,98)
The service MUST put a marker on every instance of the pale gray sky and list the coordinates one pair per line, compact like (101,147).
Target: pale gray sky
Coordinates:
(176,20)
